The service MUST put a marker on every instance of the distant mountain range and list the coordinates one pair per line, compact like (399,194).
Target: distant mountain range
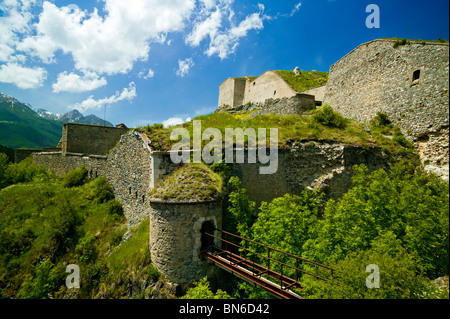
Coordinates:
(23,126)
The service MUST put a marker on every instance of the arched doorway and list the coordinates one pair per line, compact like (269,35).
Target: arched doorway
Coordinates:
(207,228)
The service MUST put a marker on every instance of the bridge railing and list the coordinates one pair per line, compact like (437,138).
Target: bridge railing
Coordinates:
(244,247)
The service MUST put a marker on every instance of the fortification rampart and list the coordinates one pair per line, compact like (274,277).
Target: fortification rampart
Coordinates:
(409,83)
(89,139)
(327,166)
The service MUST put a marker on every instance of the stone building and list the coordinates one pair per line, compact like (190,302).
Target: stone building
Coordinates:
(235,92)
(410,83)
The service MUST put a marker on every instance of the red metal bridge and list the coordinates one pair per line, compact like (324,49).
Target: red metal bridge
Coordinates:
(275,276)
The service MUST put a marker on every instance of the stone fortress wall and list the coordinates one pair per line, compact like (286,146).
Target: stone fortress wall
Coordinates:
(409,83)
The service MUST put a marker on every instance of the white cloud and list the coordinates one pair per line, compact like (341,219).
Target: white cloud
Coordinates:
(223,40)
(146,75)
(184,66)
(22,77)
(14,21)
(128,93)
(109,44)
(175,121)
(225,43)
(208,27)
(76,84)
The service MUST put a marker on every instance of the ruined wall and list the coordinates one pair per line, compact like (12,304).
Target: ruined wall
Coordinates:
(127,168)
(327,166)
(89,139)
(378,77)
(175,238)
(296,104)
(231,92)
(54,161)
(318,92)
(268,85)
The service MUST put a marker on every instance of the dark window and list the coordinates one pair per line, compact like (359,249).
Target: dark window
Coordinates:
(254,83)
(416,75)
(274,92)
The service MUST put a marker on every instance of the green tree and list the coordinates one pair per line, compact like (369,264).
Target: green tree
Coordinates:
(411,204)
(399,274)
(240,209)
(43,283)
(202,290)
(287,223)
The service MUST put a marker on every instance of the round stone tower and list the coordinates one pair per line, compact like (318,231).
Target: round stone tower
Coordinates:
(183,208)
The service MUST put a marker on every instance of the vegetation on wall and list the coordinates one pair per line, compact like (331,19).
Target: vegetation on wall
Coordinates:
(305,80)
(195,182)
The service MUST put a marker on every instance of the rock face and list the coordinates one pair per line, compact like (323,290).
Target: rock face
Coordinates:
(409,83)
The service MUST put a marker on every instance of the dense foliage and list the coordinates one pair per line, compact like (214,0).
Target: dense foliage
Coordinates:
(47,223)
(397,220)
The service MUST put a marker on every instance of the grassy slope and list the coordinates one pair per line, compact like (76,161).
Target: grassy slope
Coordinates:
(43,222)
(290,128)
(21,127)
(305,80)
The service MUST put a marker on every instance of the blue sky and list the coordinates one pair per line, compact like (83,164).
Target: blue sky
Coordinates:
(154,61)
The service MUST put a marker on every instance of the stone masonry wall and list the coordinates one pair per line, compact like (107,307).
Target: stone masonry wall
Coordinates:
(89,139)
(296,104)
(175,238)
(327,166)
(378,77)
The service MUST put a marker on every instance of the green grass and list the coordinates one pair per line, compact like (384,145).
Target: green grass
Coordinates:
(134,251)
(305,80)
(190,183)
(290,128)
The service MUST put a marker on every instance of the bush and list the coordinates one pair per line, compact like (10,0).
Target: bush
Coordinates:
(399,276)
(202,290)
(381,119)
(100,191)
(75,177)
(328,117)
(85,251)
(114,208)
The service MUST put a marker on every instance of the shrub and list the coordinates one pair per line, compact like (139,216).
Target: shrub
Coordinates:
(100,191)
(202,290)
(75,177)
(114,208)
(328,117)
(399,276)
(85,251)
(381,119)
